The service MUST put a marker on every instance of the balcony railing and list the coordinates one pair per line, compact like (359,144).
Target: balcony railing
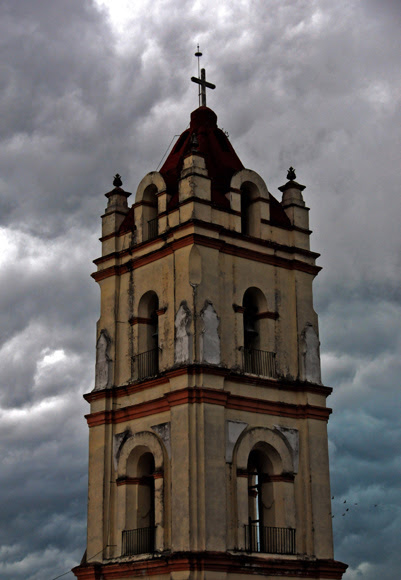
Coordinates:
(148,363)
(152,228)
(259,362)
(139,541)
(269,540)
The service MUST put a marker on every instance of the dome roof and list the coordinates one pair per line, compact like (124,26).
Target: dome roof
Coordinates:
(211,143)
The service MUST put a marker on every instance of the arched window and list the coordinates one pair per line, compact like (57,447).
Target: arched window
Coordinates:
(149,213)
(257,335)
(252,303)
(249,212)
(139,532)
(141,500)
(148,336)
(266,504)
(260,499)
(264,461)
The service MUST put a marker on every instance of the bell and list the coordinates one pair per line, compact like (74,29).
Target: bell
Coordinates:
(250,329)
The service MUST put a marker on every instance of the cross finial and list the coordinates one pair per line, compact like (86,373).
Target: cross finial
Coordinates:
(201,80)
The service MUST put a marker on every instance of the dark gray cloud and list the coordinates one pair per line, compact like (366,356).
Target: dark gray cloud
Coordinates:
(82,96)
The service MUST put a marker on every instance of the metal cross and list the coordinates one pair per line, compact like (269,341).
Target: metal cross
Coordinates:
(204,84)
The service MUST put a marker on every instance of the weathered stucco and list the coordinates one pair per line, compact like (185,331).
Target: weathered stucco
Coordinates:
(182,348)
(103,361)
(209,338)
(311,354)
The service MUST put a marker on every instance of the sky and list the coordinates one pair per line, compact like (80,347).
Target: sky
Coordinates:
(92,88)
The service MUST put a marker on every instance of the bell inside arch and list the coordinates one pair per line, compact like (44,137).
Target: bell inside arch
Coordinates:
(250,331)
(249,327)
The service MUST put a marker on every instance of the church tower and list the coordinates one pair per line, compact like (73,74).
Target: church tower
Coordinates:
(208,453)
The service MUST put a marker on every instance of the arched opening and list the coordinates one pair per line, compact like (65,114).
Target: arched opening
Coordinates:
(257,360)
(139,532)
(148,336)
(149,213)
(249,213)
(260,493)
(251,302)
(266,504)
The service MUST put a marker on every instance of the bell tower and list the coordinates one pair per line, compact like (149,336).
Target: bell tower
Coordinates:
(208,450)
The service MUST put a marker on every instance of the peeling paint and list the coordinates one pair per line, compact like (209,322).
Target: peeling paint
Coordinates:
(103,361)
(183,339)
(118,442)
(210,339)
(163,430)
(311,354)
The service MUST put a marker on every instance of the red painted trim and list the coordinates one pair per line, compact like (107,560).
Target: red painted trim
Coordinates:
(271,315)
(223,563)
(224,247)
(144,480)
(108,237)
(144,202)
(125,390)
(295,386)
(242,473)
(207,396)
(228,233)
(194,370)
(278,409)
(139,320)
(286,477)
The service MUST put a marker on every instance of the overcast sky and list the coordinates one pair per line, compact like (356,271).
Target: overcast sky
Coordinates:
(88,89)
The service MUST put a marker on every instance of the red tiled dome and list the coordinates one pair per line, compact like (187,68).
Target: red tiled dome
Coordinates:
(220,158)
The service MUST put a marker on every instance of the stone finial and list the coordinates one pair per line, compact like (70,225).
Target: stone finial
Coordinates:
(291,174)
(292,196)
(117,182)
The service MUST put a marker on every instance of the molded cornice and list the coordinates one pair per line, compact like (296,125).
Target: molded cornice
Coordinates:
(193,370)
(226,399)
(220,245)
(224,563)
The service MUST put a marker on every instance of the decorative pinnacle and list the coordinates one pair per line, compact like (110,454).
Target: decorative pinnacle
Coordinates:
(117,180)
(291,174)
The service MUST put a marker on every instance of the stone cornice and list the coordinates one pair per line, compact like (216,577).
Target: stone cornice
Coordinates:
(218,562)
(224,231)
(202,395)
(197,369)
(201,240)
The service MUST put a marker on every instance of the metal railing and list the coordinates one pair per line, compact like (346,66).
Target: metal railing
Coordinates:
(269,540)
(152,228)
(148,363)
(139,541)
(259,362)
